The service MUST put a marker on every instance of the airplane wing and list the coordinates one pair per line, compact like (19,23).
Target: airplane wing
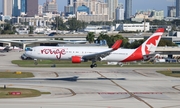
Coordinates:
(100,55)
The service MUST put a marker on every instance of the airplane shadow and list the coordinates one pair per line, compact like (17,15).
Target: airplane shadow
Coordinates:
(75,78)
(72,79)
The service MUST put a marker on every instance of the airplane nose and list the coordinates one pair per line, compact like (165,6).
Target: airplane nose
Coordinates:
(28,53)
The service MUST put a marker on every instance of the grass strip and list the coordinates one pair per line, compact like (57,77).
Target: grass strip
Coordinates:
(5,93)
(170,73)
(63,63)
(15,75)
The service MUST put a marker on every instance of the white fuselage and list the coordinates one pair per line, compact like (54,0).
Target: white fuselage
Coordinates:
(65,53)
(113,54)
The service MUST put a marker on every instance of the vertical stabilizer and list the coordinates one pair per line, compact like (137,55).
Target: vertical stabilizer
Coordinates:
(150,45)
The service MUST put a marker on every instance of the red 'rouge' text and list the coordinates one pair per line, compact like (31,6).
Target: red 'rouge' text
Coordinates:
(57,52)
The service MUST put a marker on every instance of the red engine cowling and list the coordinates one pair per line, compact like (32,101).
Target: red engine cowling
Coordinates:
(76,59)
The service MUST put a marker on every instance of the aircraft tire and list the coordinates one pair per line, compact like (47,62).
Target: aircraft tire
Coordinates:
(91,66)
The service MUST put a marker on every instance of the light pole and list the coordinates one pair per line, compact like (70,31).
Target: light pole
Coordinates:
(57,25)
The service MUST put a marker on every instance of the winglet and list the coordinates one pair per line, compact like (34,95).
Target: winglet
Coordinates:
(160,30)
(117,44)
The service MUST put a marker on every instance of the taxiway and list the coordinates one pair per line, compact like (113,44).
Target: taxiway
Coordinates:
(93,88)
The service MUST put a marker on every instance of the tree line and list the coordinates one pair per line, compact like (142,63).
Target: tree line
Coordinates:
(74,24)
(71,24)
(125,44)
(7,28)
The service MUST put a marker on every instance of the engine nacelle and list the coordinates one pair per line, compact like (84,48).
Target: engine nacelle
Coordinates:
(76,59)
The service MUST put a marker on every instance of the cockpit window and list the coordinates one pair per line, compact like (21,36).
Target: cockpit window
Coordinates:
(28,49)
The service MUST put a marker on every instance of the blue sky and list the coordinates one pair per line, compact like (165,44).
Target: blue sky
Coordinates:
(137,4)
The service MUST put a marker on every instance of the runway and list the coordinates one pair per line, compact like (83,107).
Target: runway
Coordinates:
(94,88)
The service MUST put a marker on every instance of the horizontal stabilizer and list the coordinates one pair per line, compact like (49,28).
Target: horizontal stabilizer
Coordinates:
(117,44)
(160,30)
(149,56)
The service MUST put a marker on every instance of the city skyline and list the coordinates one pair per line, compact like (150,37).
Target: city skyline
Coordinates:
(137,5)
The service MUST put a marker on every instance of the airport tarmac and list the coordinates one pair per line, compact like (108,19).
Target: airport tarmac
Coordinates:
(93,88)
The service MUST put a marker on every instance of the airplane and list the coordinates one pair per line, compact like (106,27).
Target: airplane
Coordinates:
(8,48)
(4,49)
(113,54)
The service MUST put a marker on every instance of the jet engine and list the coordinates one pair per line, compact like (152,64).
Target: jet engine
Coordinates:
(76,59)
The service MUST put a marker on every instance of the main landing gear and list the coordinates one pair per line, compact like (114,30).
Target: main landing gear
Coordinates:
(93,64)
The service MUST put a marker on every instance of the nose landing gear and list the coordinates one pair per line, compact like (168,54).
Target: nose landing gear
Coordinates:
(35,62)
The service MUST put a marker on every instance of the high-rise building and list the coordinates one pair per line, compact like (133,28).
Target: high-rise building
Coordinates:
(70,2)
(171,11)
(16,8)
(40,10)
(91,10)
(158,15)
(7,7)
(128,9)
(95,7)
(177,8)
(23,6)
(112,5)
(120,12)
(78,3)
(32,8)
(98,8)
(50,6)
(68,10)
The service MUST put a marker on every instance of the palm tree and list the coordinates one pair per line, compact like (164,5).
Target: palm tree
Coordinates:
(90,37)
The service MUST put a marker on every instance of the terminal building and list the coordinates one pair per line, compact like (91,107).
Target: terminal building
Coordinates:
(133,27)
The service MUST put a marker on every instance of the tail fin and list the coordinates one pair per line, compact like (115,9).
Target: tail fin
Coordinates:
(117,44)
(150,45)
(147,49)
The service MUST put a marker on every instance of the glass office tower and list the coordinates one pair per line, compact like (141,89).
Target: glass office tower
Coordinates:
(177,8)
(16,8)
(23,6)
(128,9)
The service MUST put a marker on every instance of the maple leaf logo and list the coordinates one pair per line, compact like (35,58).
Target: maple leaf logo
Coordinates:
(152,42)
